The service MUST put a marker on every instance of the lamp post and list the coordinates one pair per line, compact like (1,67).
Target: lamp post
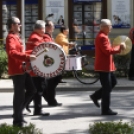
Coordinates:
(23,21)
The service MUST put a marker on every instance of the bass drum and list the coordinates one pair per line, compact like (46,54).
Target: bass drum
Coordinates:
(50,60)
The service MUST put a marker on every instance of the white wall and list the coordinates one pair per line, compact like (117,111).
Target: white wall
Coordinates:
(65,15)
(120,31)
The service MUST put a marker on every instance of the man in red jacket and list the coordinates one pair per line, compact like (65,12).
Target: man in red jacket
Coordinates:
(104,65)
(131,66)
(49,93)
(21,79)
(45,87)
(35,39)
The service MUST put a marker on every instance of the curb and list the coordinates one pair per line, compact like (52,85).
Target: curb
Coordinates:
(91,88)
(74,85)
(74,88)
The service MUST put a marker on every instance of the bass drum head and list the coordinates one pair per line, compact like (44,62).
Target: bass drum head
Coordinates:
(118,40)
(50,60)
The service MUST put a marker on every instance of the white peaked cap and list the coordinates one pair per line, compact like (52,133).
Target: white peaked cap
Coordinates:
(106,21)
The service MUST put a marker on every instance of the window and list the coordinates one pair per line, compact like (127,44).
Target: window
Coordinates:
(87,18)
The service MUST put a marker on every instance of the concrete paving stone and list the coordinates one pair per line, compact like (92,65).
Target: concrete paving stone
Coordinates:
(76,113)
(72,84)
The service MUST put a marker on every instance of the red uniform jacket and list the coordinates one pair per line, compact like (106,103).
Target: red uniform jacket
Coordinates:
(34,40)
(16,56)
(104,53)
(48,38)
(131,35)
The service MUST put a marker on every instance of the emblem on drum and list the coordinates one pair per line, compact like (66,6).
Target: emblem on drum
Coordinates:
(48,61)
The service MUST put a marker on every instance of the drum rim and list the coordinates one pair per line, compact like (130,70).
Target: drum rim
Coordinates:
(61,49)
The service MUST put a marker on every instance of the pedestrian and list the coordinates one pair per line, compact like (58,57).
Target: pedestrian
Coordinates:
(104,65)
(131,65)
(21,79)
(51,84)
(35,39)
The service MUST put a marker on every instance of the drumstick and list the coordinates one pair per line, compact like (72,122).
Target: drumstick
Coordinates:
(45,50)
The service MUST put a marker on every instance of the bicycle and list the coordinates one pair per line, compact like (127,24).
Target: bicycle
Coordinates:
(86,75)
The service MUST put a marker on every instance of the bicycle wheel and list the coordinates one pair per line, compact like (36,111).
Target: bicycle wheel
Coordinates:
(87,75)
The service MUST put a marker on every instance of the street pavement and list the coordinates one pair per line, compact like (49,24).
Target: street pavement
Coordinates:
(72,84)
(76,113)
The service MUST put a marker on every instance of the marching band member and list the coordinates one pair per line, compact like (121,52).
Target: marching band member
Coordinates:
(51,84)
(62,39)
(131,65)
(104,65)
(35,39)
(21,79)
(48,92)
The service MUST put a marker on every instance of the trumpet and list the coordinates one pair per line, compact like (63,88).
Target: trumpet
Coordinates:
(123,39)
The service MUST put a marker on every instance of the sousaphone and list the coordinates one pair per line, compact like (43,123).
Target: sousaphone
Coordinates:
(123,39)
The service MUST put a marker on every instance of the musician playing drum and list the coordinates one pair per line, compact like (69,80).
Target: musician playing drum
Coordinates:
(42,45)
(49,93)
(35,39)
(104,65)
(62,39)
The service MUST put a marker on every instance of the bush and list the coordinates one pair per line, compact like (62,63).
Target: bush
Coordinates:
(3,62)
(122,64)
(111,128)
(8,129)
(68,74)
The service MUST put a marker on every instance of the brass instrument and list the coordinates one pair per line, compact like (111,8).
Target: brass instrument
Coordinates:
(123,39)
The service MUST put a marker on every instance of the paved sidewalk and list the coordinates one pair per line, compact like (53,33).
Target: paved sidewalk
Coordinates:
(76,113)
(72,85)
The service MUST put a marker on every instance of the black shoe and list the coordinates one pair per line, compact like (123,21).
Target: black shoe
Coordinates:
(109,112)
(54,104)
(13,115)
(62,81)
(24,121)
(95,101)
(41,114)
(28,109)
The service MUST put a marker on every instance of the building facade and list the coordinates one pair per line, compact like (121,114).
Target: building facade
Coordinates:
(85,15)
